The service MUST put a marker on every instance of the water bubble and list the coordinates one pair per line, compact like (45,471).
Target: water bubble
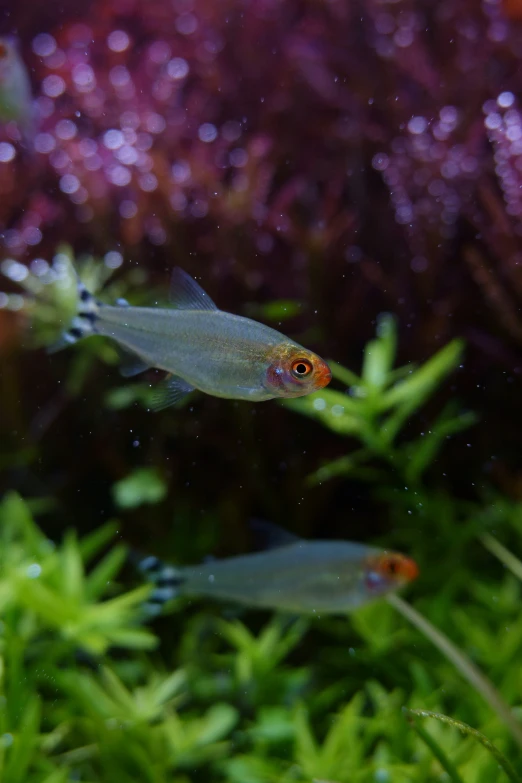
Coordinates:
(319,404)
(53,86)
(177,68)
(113,259)
(207,132)
(34,570)
(44,45)
(118,41)
(7,152)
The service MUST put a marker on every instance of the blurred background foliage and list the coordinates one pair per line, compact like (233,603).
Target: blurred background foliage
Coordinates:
(345,171)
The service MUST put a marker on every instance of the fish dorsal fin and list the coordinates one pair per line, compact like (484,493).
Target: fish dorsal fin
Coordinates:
(270,536)
(168,392)
(186,294)
(130,363)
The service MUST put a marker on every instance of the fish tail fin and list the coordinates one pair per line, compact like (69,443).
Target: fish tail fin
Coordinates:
(84,322)
(166,579)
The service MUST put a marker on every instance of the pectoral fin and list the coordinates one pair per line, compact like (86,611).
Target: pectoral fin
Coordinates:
(168,392)
(186,294)
(130,363)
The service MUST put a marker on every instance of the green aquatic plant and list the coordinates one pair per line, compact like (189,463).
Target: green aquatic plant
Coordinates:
(378,405)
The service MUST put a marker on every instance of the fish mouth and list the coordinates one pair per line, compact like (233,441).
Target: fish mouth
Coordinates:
(324,376)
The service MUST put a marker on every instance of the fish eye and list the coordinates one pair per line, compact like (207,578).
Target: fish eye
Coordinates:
(301,368)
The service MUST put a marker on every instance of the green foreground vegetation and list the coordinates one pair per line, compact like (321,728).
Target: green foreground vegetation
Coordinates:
(420,689)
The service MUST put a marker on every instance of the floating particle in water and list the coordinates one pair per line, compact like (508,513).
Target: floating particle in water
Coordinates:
(118,41)
(207,132)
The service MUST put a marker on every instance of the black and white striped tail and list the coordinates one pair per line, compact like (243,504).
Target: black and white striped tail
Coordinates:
(83,323)
(166,579)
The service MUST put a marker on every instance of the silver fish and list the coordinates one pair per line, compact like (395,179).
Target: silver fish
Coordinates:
(202,347)
(300,576)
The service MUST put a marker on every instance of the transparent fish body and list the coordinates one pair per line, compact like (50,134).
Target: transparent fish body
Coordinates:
(201,347)
(218,353)
(304,577)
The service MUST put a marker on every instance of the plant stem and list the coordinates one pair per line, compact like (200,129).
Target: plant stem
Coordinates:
(465,666)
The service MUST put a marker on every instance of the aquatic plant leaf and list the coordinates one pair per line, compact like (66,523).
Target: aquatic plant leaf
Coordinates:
(468,730)
(379,354)
(466,667)
(504,555)
(335,410)
(142,487)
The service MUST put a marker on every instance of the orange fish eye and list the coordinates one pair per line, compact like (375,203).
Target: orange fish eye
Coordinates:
(301,368)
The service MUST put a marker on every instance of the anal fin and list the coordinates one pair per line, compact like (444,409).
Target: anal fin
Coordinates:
(168,392)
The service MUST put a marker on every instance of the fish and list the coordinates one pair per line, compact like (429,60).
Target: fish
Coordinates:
(200,347)
(16,100)
(295,575)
